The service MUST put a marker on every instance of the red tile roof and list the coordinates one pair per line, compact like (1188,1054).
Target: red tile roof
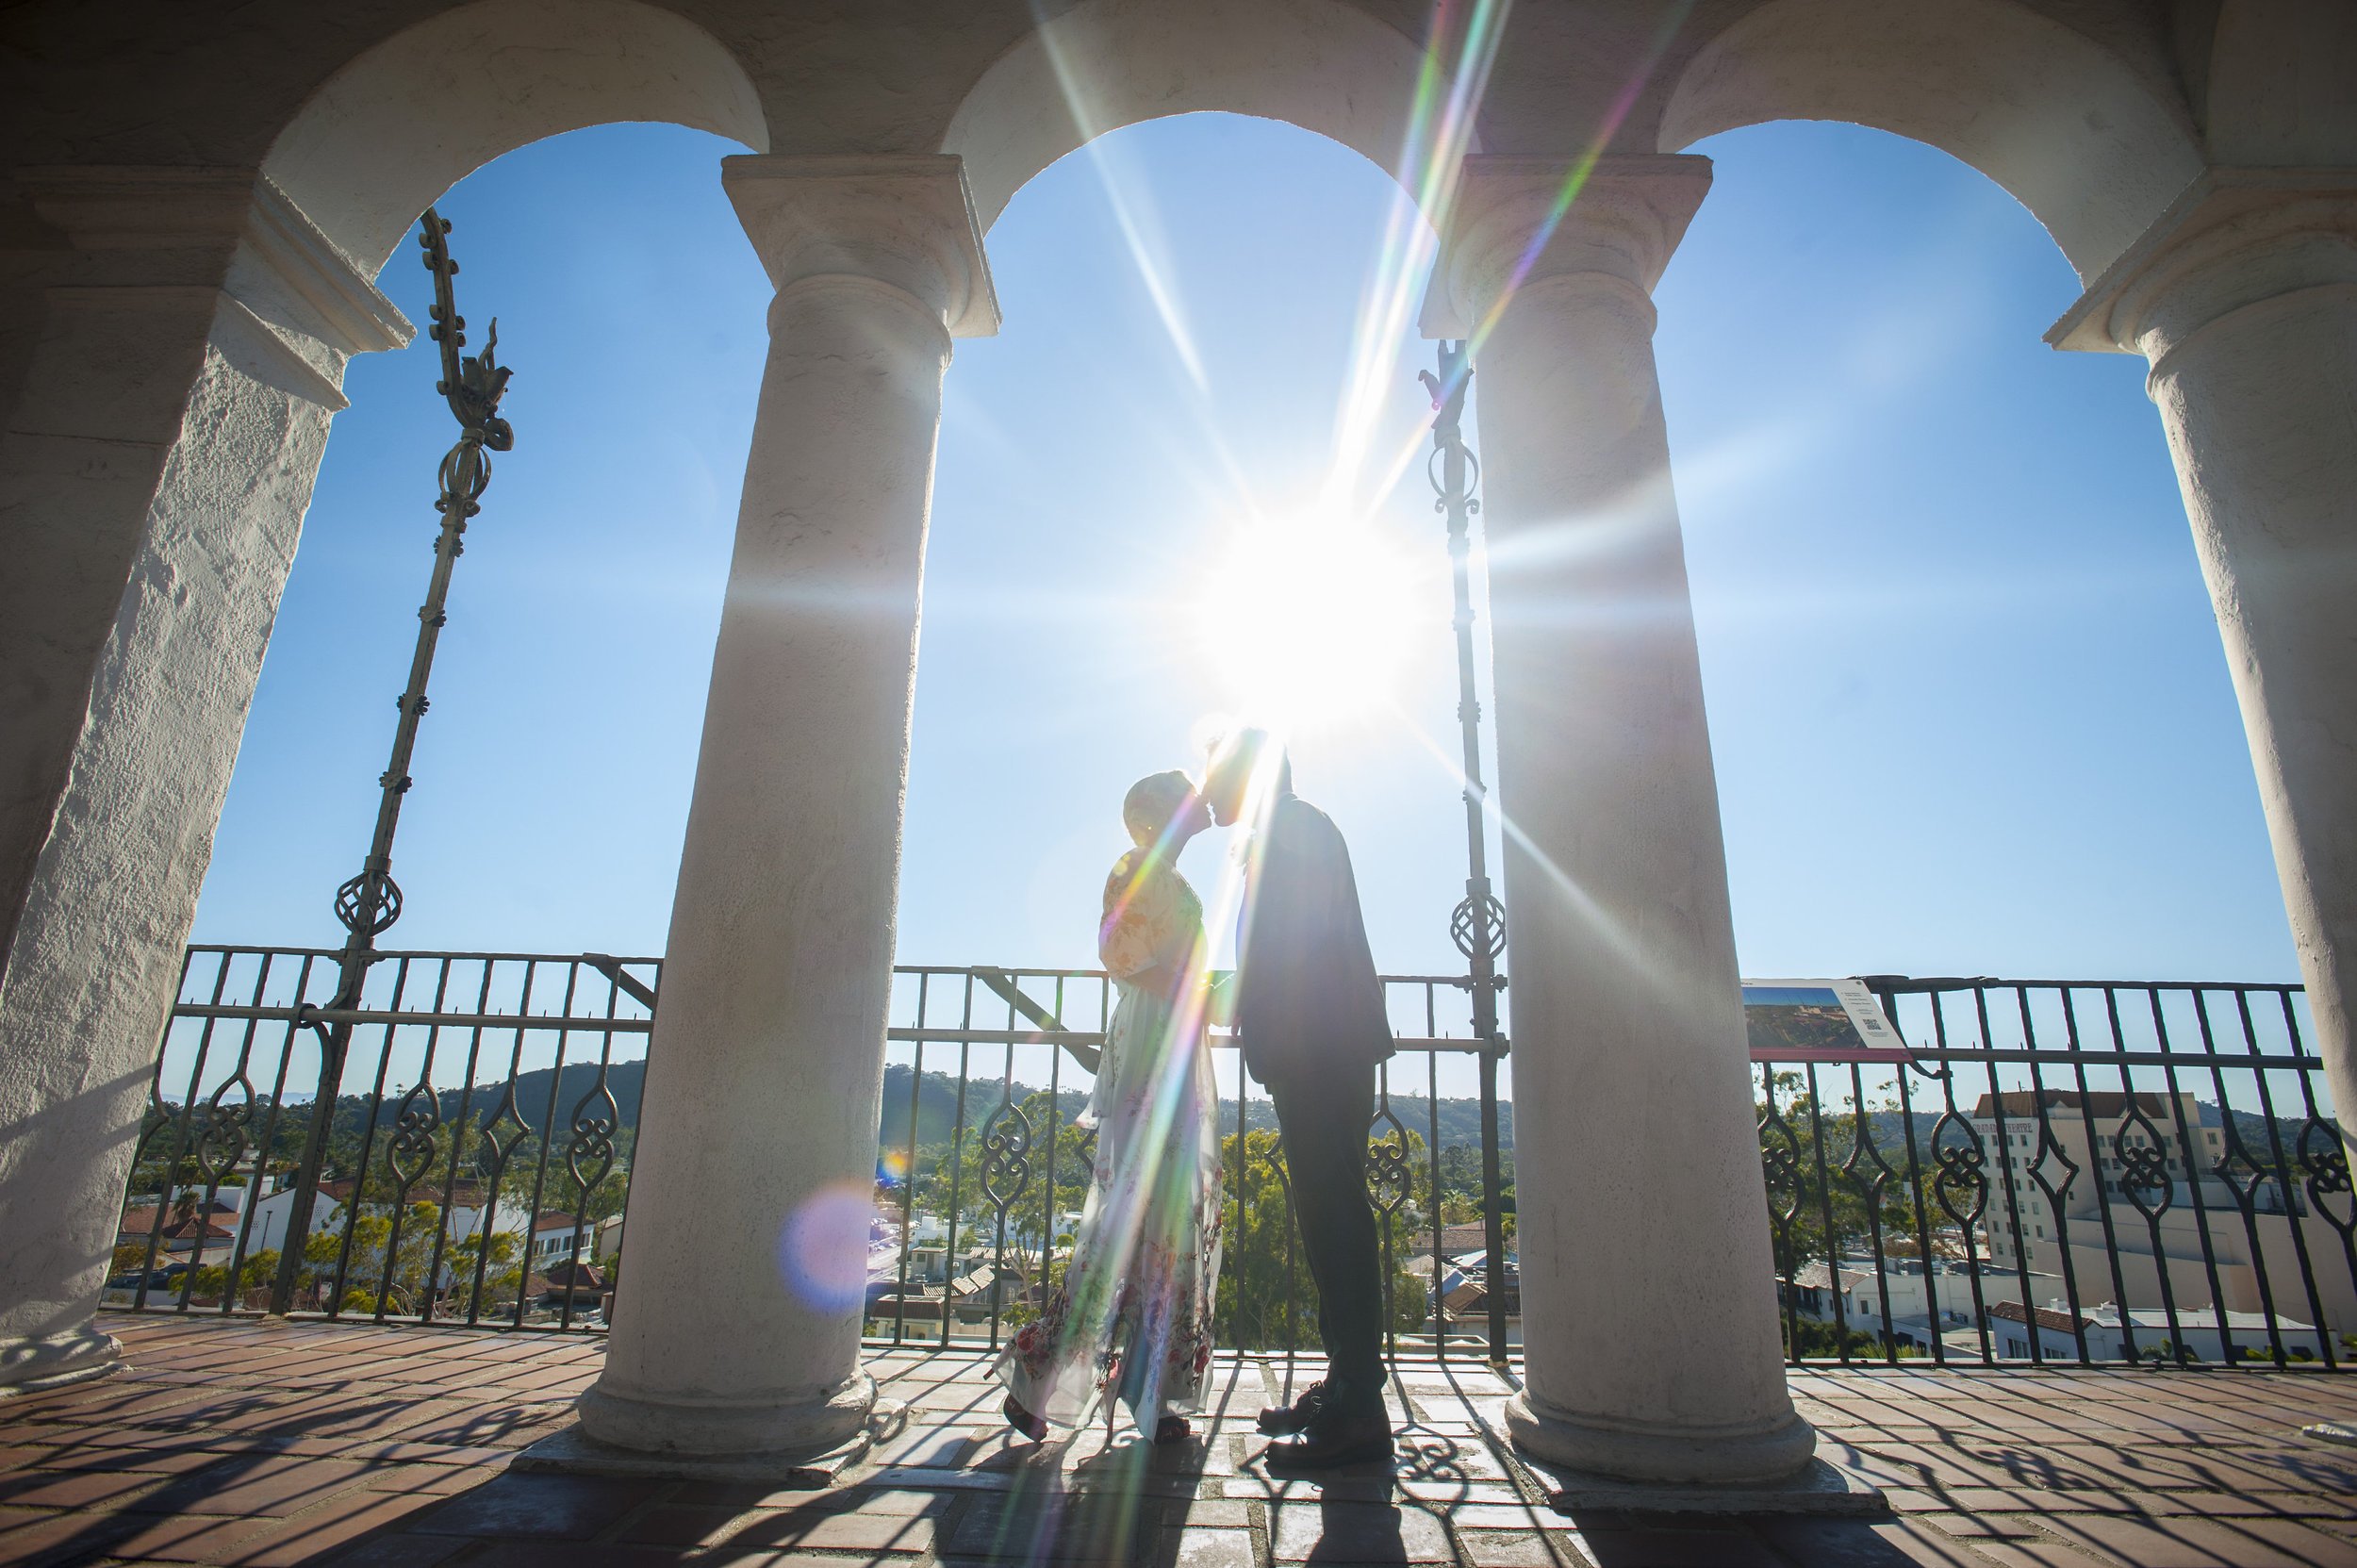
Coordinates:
(2047,1317)
(138,1224)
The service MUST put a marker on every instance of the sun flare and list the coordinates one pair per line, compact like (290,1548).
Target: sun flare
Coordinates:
(1309,622)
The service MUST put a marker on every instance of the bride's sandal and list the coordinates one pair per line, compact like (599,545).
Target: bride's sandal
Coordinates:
(1024,1421)
(1170,1430)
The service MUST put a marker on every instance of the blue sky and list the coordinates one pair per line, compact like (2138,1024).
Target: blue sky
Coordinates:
(1967,698)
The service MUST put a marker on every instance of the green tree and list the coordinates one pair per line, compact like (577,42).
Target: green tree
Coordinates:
(1817,1210)
(502,1278)
(602,1200)
(1266,1299)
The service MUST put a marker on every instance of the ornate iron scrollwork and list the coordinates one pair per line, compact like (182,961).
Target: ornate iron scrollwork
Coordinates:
(2326,1162)
(2323,1158)
(2243,1174)
(1389,1178)
(1962,1170)
(1862,1149)
(415,1138)
(503,1145)
(1479,926)
(589,1153)
(2143,1165)
(225,1139)
(2051,1155)
(368,903)
(1006,1154)
(1780,1163)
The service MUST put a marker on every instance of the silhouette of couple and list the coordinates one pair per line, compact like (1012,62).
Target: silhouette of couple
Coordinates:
(1131,1320)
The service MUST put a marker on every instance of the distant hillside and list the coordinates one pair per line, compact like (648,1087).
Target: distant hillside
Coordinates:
(936,1108)
(544,1096)
(625,1081)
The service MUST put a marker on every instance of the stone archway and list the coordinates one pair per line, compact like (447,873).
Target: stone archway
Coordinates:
(197,365)
(2084,142)
(387,134)
(2206,208)
(794,833)
(1324,66)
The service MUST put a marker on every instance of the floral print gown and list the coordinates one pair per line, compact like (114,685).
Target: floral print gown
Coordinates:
(1131,1318)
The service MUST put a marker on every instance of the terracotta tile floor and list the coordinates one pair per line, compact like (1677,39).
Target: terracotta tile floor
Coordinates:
(278,1445)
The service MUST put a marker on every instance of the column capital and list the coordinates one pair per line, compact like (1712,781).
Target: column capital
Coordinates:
(140,227)
(1509,223)
(2237,240)
(288,306)
(903,218)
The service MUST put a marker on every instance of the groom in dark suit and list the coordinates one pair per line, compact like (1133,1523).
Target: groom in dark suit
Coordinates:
(1310,1019)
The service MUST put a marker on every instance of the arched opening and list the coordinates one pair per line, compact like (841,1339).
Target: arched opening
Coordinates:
(2095,149)
(1909,524)
(385,136)
(1110,63)
(410,117)
(1909,519)
(1187,304)
(567,683)
(399,127)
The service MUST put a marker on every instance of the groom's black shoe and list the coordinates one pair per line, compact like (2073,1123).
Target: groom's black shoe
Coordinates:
(1333,1440)
(1285,1420)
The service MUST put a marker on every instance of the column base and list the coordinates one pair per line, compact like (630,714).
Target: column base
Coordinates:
(709,1428)
(571,1451)
(52,1361)
(1634,1451)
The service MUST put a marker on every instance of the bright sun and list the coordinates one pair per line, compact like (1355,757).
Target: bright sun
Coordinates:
(1308,622)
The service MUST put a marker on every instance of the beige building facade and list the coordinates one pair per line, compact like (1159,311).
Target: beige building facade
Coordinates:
(2137,1208)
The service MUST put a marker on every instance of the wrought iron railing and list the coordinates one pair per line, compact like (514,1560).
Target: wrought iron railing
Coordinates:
(2065,1172)
(2043,1172)
(479,1134)
(480,1145)
(986,1070)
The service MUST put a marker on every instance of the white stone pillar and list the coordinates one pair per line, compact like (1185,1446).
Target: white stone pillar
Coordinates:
(1648,1318)
(736,1328)
(2244,299)
(153,473)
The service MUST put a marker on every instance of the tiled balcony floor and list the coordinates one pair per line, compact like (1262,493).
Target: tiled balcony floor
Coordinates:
(240,1442)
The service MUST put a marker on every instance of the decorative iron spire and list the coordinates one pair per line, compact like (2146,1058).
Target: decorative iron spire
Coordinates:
(1478,923)
(370,901)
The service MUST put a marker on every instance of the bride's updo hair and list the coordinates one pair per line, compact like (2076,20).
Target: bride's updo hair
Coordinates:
(1146,811)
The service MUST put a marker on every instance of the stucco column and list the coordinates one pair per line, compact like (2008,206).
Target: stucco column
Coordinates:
(1649,1322)
(155,467)
(736,1328)
(2244,299)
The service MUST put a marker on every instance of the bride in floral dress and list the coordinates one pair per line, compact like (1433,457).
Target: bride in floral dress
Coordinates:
(1132,1319)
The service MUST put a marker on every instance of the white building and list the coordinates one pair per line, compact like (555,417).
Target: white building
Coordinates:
(1918,1306)
(2189,1224)
(2108,1336)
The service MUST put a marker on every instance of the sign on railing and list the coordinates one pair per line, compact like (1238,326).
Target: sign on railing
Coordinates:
(1818,1020)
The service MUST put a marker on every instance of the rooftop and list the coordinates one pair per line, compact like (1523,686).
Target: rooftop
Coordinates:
(275,1445)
